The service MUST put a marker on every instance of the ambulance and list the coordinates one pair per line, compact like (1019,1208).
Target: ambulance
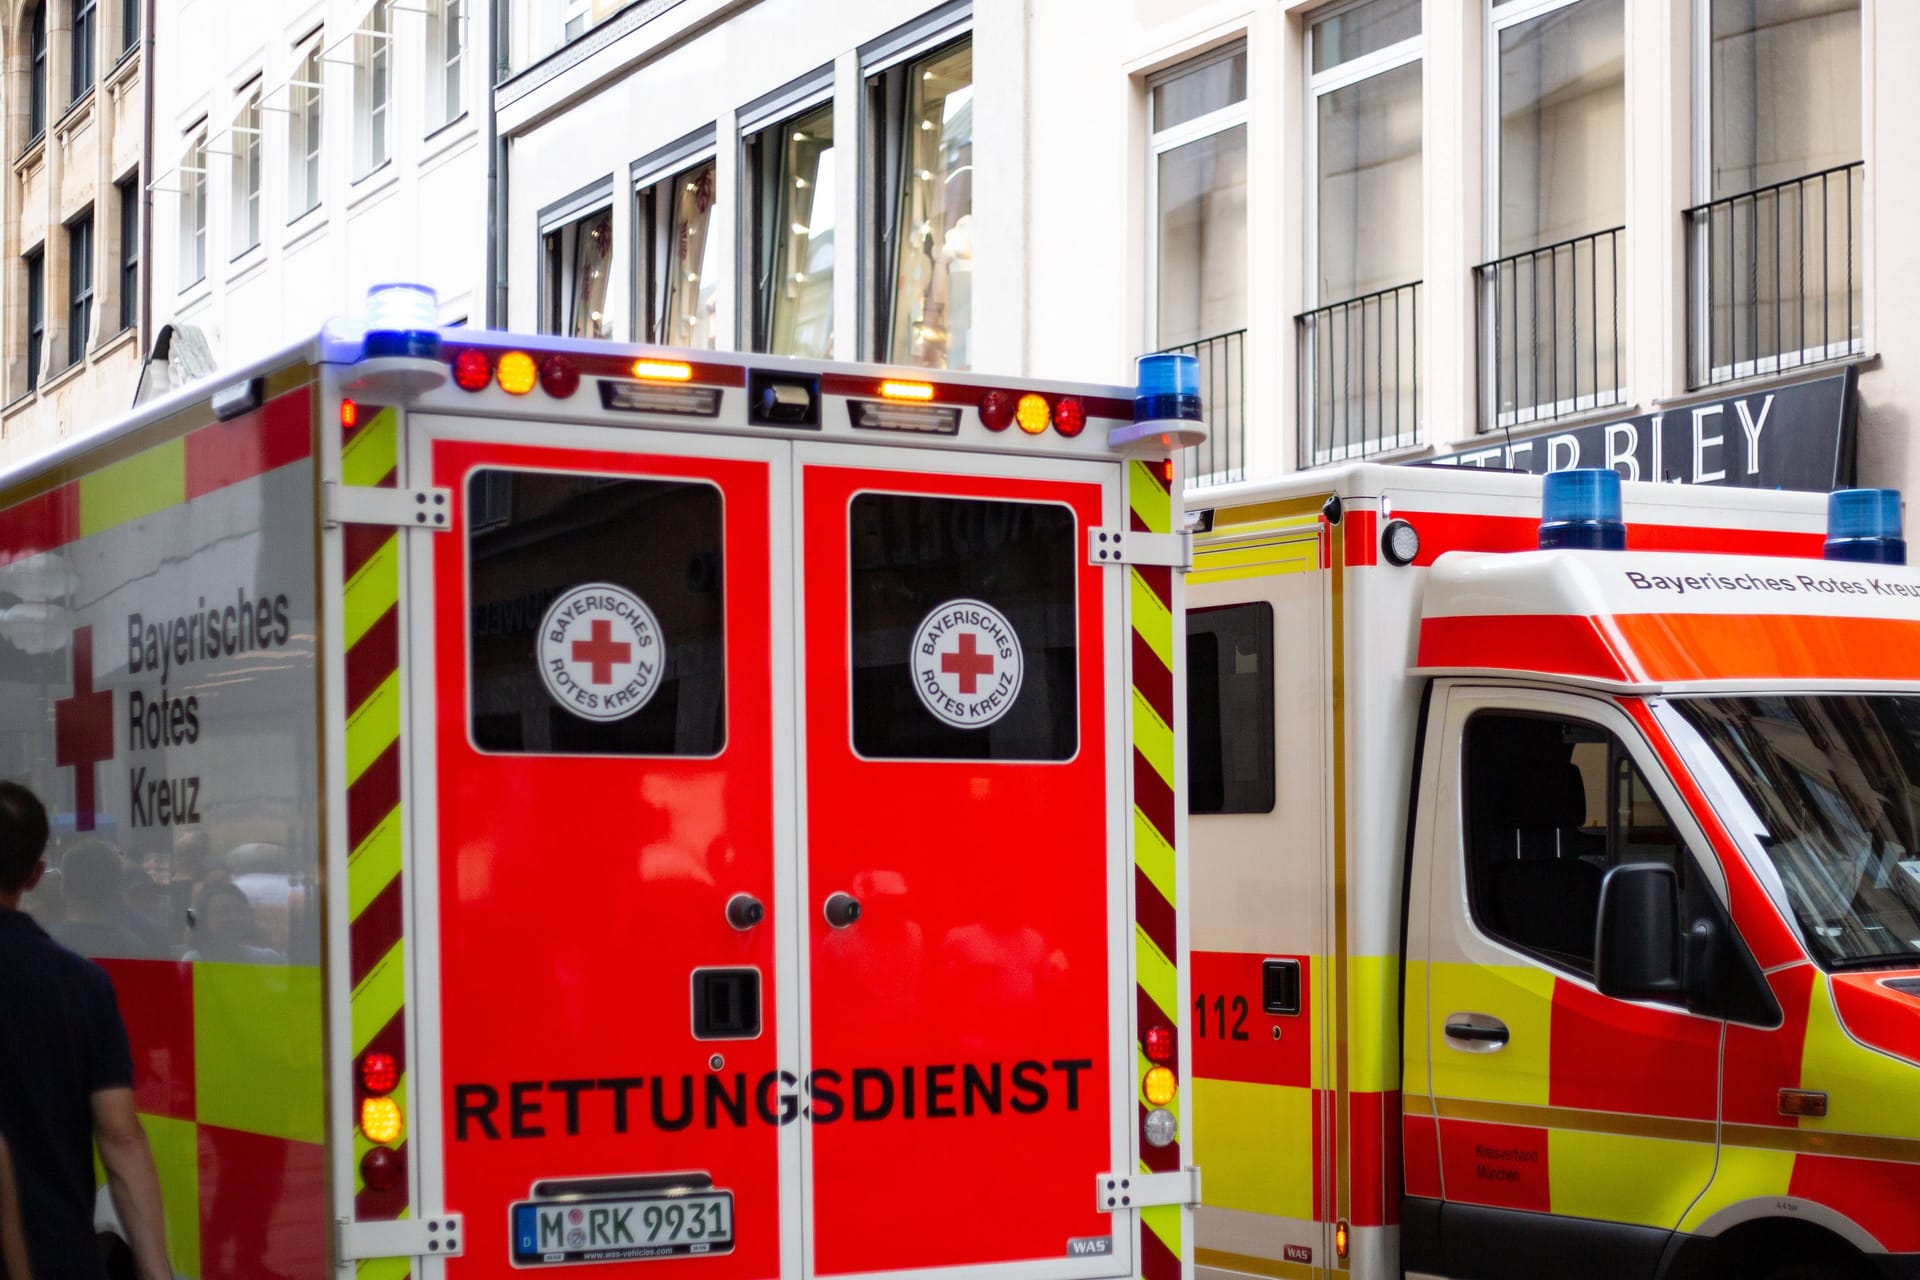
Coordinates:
(556,806)
(1555,901)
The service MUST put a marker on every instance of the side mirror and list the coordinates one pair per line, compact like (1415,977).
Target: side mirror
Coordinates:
(1636,948)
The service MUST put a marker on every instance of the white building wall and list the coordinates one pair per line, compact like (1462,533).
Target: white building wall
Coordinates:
(1062,229)
(420,217)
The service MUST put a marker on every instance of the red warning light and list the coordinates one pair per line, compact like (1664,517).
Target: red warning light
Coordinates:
(472,371)
(1166,470)
(558,377)
(1159,1044)
(1069,416)
(996,410)
(379,1073)
(349,415)
(383,1168)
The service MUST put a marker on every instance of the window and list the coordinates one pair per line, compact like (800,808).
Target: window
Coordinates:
(645,676)
(791,167)
(1550,805)
(129,193)
(1197,115)
(922,113)
(129,26)
(921,568)
(84,12)
(1549,304)
(245,186)
(303,135)
(1230,709)
(681,280)
(1772,256)
(193,211)
(1358,381)
(446,57)
(36,314)
(373,89)
(79,286)
(37,89)
(575,17)
(577,274)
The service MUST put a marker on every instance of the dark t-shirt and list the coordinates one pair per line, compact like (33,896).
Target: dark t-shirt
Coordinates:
(61,1040)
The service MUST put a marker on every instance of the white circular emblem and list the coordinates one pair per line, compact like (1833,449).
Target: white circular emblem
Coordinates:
(967,663)
(601,653)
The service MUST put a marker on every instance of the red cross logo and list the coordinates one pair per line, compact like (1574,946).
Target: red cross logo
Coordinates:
(601,651)
(967,664)
(83,729)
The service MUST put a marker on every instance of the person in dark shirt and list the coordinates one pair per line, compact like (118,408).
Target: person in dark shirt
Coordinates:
(66,1080)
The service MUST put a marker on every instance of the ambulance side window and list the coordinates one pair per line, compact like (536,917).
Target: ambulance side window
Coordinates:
(965,630)
(1550,805)
(1230,709)
(597,618)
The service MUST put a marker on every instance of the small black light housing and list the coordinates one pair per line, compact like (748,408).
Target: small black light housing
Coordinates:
(1399,542)
(783,400)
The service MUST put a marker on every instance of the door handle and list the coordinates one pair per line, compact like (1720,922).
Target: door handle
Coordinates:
(745,911)
(841,910)
(1476,1032)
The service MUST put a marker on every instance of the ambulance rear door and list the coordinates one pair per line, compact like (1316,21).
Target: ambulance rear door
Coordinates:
(963,924)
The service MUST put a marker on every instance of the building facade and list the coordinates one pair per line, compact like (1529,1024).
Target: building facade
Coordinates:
(1473,230)
(73,218)
(306,149)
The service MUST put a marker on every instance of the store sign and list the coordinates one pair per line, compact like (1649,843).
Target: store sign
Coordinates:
(1799,436)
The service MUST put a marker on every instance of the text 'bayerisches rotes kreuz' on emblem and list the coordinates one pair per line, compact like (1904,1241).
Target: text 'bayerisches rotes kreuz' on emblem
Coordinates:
(967,663)
(601,652)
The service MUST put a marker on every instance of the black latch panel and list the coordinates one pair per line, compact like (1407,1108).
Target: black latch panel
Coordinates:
(726,1004)
(1280,986)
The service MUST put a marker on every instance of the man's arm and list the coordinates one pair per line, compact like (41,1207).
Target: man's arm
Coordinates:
(132,1180)
(13,1236)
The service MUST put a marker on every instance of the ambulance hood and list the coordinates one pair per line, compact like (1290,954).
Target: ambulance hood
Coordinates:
(1881,1011)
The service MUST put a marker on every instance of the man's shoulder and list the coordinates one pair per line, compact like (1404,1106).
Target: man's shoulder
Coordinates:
(31,947)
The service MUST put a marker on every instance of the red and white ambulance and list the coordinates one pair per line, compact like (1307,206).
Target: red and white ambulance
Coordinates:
(1554,912)
(620,811)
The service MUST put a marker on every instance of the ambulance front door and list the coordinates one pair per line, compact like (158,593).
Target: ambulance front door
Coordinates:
(964,903)
(605,645)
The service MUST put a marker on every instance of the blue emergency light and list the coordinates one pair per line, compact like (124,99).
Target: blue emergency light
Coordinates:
(1166,406)
(1864,525)
(1580,510)
(402,320)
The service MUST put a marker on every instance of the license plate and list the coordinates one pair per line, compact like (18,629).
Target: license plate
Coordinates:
(623,1229)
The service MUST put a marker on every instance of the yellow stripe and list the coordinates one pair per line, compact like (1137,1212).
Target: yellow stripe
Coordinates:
(373,727)
(372,866)
(1221,1260)
(1233,575)
(176,1157)
(1577,1119)
(384,1268)
(379,996)
(371,452)
(1295,555)
(151,480)
(372,591)
(1146,498)
(1373,1004)
(1151,620)
(1861,1146)
(1286,509)
(1157,975)
(1153,738)
(1164,1221)
(1153,855)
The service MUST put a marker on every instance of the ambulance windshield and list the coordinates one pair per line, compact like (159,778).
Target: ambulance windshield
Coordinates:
(1832,790)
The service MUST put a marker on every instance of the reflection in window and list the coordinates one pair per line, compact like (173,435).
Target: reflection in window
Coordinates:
(792,164)
(545,535)
(930,312)
(692,274)
(577,274)
(1200,182)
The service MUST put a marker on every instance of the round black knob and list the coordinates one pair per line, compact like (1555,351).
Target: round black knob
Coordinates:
(744,911)
(842,909)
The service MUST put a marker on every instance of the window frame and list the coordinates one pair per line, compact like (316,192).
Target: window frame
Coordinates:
(35,261)
(773,114)
(556,224)
(80,284)
(373,91)
(1268,743)
(306,128)
(1161,141)
(81,62)
(446,63)
(193,208)
(128,190)
(247,176)
(650,183)
(39,88)
(129,28)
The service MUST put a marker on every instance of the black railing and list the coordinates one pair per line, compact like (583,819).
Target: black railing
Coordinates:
(1771,277)
(1549,331)
(1360,375)
(1223,398)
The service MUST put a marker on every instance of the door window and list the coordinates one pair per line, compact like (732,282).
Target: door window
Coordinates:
(1230,709)
(597,624)
(964,626)
(1551,804)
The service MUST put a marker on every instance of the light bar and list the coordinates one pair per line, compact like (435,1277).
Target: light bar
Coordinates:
(1864,525)
(663,370)
(1580,510)
(906,390)
(921,419)
(640,397)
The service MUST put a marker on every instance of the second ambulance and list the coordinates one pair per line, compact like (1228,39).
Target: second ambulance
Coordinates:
(1556,891)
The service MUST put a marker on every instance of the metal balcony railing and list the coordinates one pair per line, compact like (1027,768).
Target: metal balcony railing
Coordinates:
(1549,331)
(1359,375)
(1772,283)
(1223,398)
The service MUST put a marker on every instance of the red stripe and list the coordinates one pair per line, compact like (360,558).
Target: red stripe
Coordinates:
(1363,536)
(1157,1262)
(373,795)
(1153,797)
(1152,679)
(1374,1177)
(1569,644)
(374,657)
(359,544)
(1159,580)
(1154,914)
(40,524)
(279,432)
(375,931)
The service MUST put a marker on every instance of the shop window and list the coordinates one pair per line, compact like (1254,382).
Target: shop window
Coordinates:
(577,271)
(680,267)
(1230,766)
(791,167)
